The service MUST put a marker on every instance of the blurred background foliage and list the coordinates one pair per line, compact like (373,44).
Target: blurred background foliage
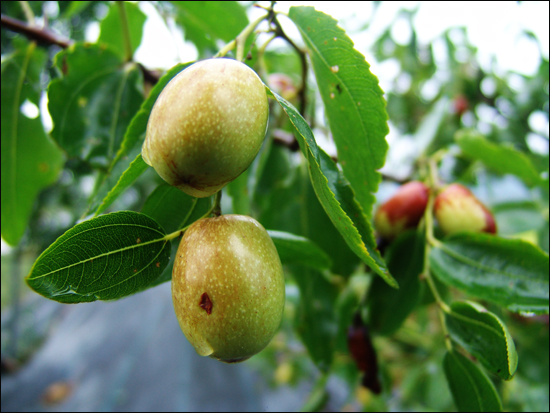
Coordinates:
(438,88)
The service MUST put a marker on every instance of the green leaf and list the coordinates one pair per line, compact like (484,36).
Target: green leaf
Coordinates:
(315,320)
(170,207)
(484,336)
(336,196)
(294,249)
(75,8)
(206,21)
(128,177)
(135,133)
(500,158)
(315,224)
(517,217)
(104,258)
(511,273)
(93,103)
(30,161)
(471,389)
(111,28)
(353,100)
(388,307)
(107,189)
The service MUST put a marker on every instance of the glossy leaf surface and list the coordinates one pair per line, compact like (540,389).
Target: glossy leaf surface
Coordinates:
(353,100)
(511,273)
(484,336)
(104,258)
(336,196)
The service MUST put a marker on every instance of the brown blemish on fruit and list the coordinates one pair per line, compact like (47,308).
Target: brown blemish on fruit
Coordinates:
(206,303)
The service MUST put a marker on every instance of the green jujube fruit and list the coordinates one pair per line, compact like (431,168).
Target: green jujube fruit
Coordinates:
(207,126)
(228,287)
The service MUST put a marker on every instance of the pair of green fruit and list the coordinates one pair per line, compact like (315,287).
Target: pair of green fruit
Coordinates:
(205,129)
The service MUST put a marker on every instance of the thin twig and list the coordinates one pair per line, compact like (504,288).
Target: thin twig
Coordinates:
(302,97)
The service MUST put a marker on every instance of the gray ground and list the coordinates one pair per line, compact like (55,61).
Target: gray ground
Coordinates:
(130,355)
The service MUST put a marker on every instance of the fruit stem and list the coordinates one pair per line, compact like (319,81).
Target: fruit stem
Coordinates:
(431,242)
(217,208)
(125,30)
(240,40)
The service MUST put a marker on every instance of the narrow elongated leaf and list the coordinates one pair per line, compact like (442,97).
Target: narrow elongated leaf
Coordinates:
(111,28)
(294,249)
(500,158)
(93,103)
(511,273)
(336,196)
(353,100)
(390,307)
(484,336)
(206,21)
(134,135)
(471,389)
(104,258)
(30,161)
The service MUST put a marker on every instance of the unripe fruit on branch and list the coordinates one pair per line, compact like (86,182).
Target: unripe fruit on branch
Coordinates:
(457,209)
(207,126)
(402,211)
(228,287)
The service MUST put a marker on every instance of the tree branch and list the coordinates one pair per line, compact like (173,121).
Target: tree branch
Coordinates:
(45,37)
(41,36)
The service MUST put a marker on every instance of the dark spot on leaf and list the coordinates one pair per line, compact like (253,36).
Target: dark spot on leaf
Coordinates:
(158,264)
(338,88)
(206,303)
(138,240)
(135,270)
(309,29)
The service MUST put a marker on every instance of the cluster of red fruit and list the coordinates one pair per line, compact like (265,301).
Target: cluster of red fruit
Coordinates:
(455,208)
